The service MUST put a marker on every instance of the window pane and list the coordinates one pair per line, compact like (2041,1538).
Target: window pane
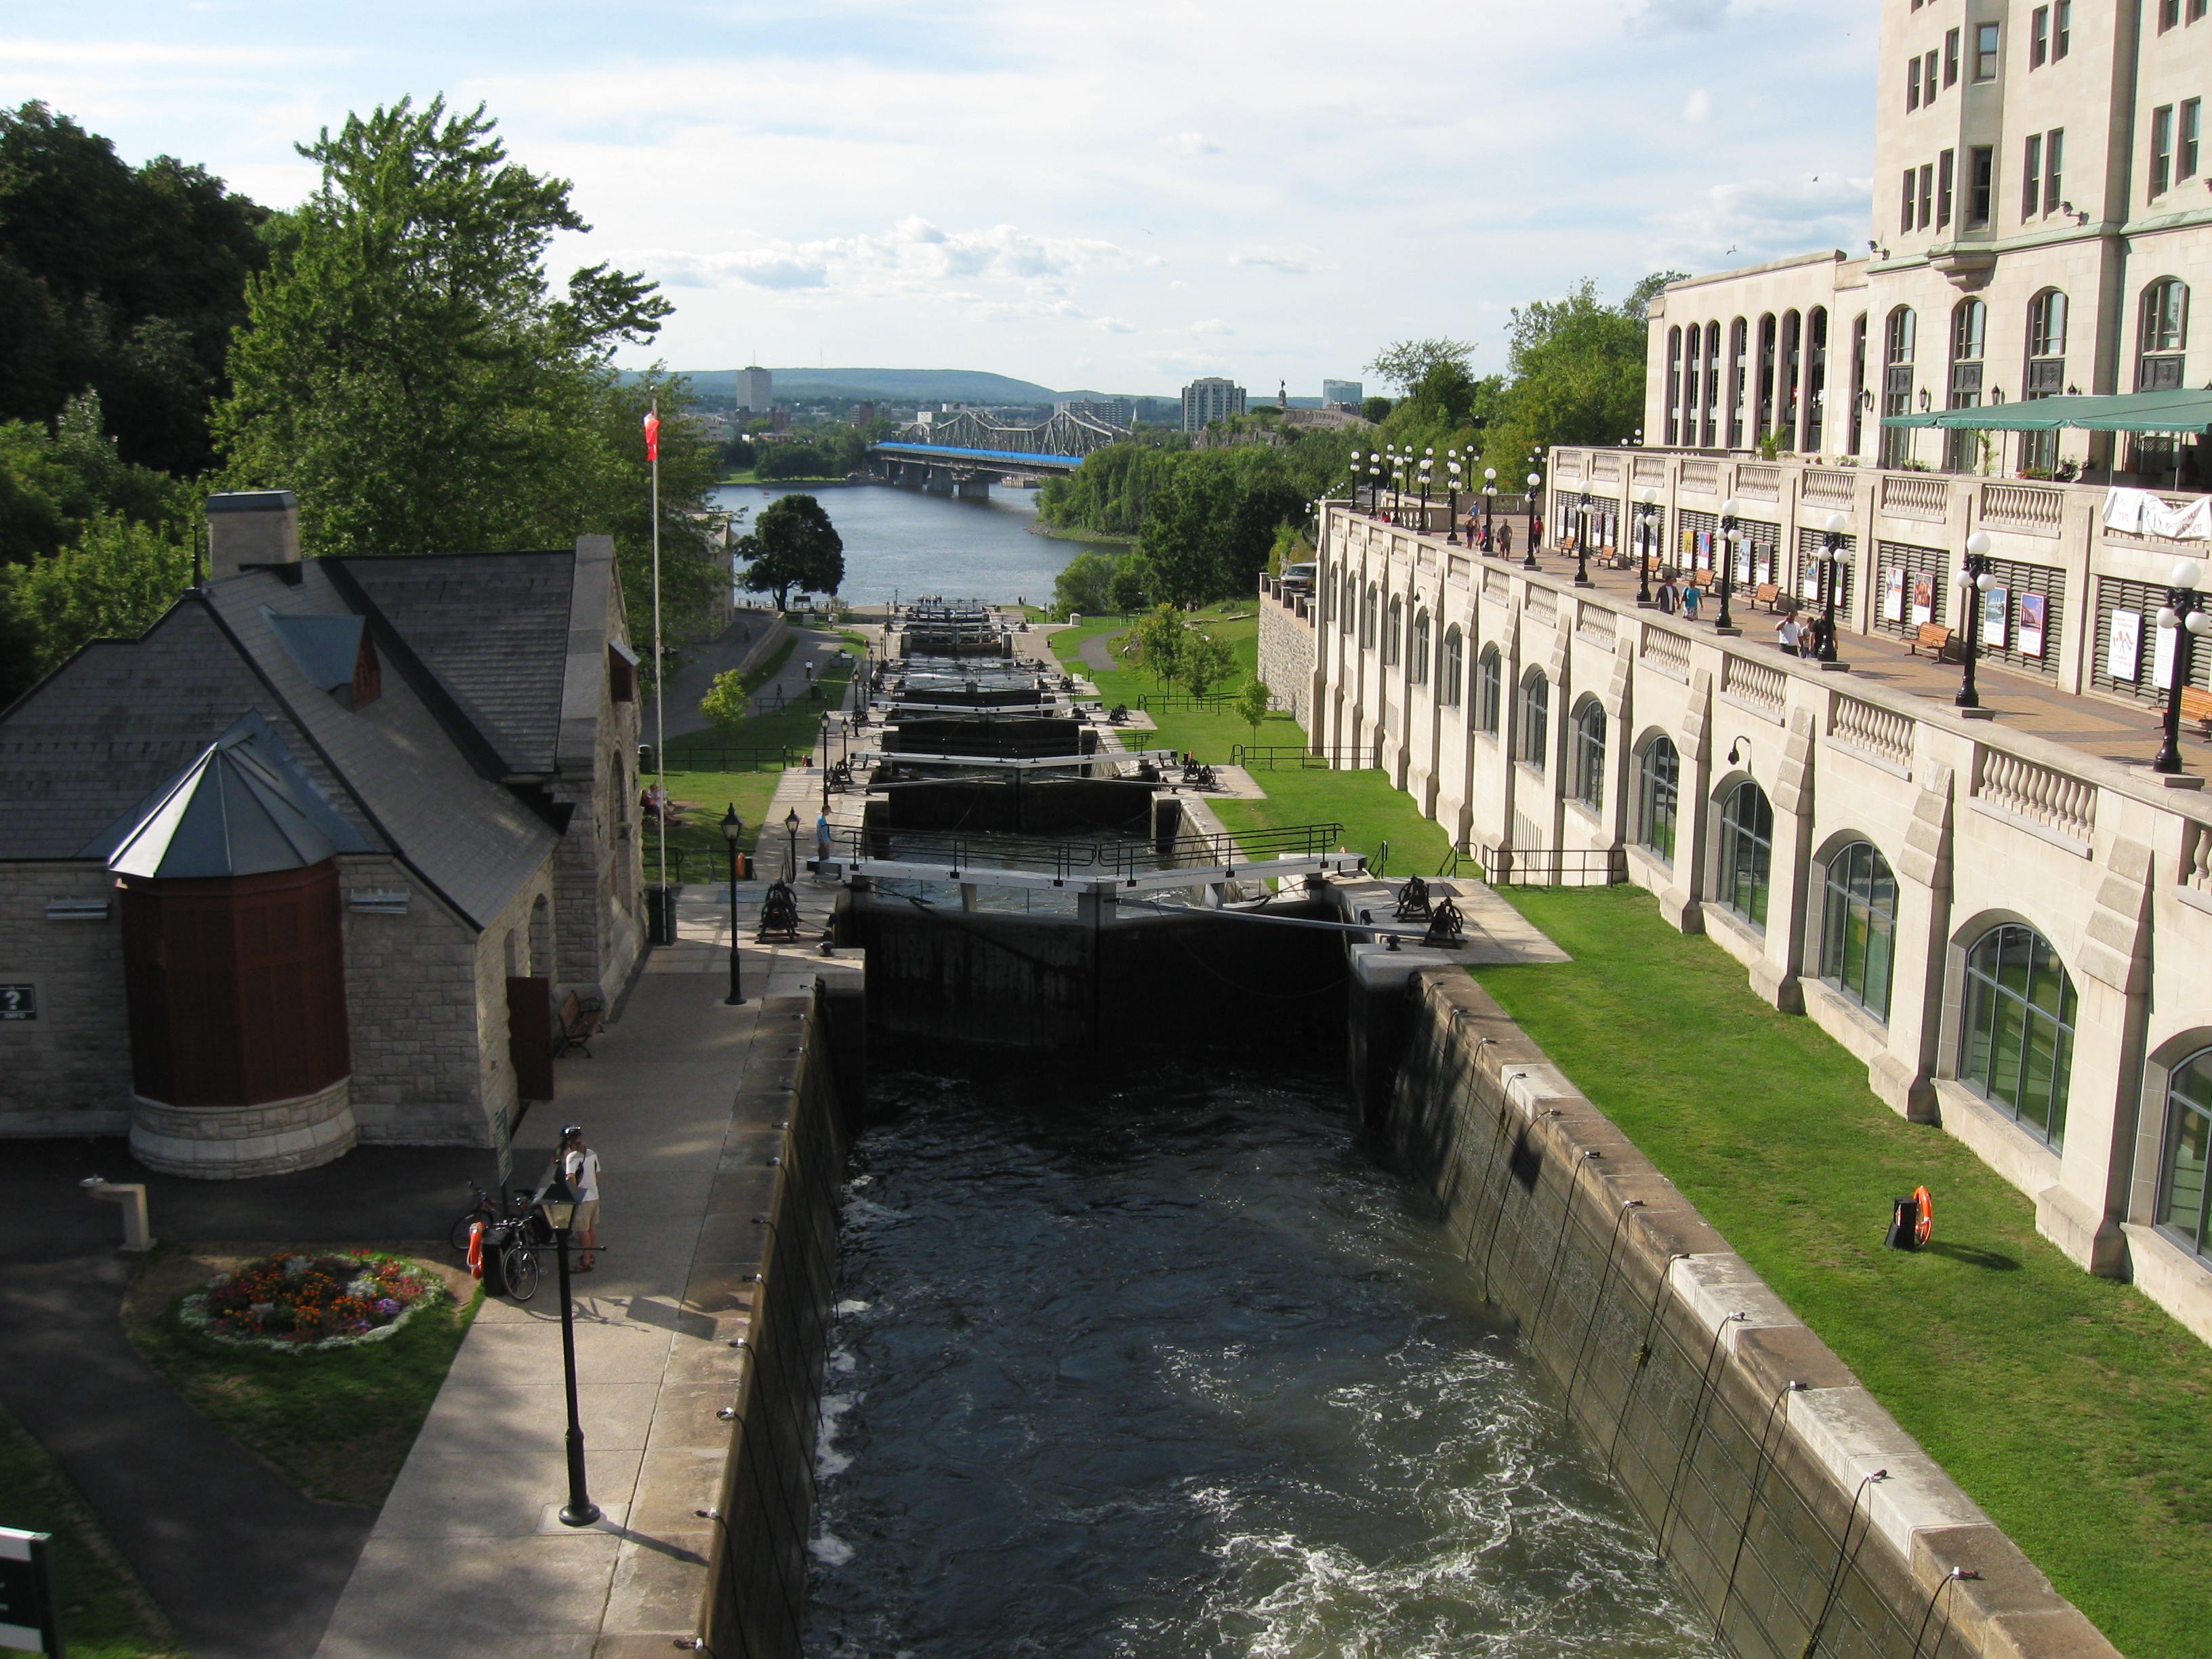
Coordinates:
(1833,918)
(1880,951)
(2006,1043)
(2189,1141)
(1974,1062)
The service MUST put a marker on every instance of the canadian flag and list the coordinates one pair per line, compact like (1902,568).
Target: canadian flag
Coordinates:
(652,435)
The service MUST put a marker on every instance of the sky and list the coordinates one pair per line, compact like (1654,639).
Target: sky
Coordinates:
(1114,196)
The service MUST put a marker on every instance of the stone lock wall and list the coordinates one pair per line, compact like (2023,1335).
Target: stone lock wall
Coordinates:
(1286,659)
(67,1070)
(1796,1511)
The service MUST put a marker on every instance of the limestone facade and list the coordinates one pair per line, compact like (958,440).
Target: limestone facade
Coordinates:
(1538,722)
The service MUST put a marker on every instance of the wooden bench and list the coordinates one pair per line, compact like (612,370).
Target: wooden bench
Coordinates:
(1768,594)
(2197,705)
(1936,638)
(577,1026)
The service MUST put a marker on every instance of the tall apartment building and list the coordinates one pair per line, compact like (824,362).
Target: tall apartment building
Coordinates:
(1333,392)
(1210,398)
(2041,210)
(756,390)
(1114,411)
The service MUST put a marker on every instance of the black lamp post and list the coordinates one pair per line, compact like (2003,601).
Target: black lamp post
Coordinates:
(1374,486)
(1724,622)
(1536,522)
(791,828)
(1647,506)
(1451,513)
(1427,461)
(825,760)
(2183,612)
(558,1201)
(733,827)
(1584,516)
(1831,548)
(1973,585)
(1489,505)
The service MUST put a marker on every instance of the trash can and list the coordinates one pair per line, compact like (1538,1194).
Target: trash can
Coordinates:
(660,913)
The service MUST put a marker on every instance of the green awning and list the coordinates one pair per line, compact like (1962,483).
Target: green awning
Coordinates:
(2181,410)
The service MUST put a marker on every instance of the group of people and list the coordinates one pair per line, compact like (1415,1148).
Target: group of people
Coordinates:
(1685,596)
(1494,536)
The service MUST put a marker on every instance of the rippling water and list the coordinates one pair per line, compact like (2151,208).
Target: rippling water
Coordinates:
(1176,1371)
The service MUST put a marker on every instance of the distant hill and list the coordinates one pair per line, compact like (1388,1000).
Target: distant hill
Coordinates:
(924,385)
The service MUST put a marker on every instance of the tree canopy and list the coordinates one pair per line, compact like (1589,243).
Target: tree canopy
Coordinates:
(1407,363)
(793,544)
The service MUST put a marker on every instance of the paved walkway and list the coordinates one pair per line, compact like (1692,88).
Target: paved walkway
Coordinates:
(468,1556)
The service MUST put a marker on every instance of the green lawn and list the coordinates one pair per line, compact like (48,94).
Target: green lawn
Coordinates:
(1363,801)
(105,1614)
(2070,1407)
(337,1426)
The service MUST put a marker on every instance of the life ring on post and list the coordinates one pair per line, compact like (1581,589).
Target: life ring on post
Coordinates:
(1924,1217)
(476,1248)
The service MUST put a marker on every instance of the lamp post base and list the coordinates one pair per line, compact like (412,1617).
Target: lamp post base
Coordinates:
(587,1516)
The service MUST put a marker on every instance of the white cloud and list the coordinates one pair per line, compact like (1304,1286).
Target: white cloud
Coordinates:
(914,255)
(1697,107)
(1287,264)
(1678,17)
(1114,324)
(1193,144)
(1756,219)
(1209,325)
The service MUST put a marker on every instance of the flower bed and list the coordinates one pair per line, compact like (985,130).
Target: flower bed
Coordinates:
(309,1304)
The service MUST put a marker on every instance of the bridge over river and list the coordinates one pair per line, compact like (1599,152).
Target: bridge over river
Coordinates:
(965,455)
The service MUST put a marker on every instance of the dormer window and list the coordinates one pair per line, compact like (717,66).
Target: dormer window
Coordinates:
(622,672)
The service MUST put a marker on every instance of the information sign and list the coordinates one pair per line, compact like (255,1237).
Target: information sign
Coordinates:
(30,1618)
(19,1002)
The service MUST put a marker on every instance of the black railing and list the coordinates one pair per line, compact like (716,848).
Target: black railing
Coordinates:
(1090,860)
(1171,702)
(1551,866)
(1268,757)
(682,757)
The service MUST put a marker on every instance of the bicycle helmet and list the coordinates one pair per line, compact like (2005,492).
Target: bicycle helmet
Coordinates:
(572,1131)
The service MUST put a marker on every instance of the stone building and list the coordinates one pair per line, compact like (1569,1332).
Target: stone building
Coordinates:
(2040,217)
(318,857)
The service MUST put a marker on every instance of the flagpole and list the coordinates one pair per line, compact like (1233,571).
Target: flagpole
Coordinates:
(659,711)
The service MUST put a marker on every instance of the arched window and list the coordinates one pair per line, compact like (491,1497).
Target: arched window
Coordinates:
(1455,665)
(1369,603)
(1420,666)
(1858,383)
(2183,1191)
(1738,374)
(1693,357)
(1673,384)
(1970,320)
(1816,376)
(1712,380)
(1348,602)
(2046,375)
(1535,718)
(1898,334)
(1393,622)
(2018,1045)
(1746,852)
(1489,688)
(1659,783)
(1587,774)
(1858,929)
(2162,335)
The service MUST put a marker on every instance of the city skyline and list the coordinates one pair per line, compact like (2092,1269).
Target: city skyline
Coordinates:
(1143,232)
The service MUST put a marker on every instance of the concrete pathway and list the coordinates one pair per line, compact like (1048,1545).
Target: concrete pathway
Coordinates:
(468,1556)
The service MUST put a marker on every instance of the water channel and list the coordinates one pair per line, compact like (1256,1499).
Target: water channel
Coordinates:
(1175,1369)
(899,543)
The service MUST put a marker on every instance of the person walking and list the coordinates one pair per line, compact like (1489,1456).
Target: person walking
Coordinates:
(580,1165)
(1788,633)
(1693,591)
(820,840)
(1669,595)
(1505,540)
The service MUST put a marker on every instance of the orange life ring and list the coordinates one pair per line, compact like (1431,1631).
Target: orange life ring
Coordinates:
(1924,1217)
(475,1249)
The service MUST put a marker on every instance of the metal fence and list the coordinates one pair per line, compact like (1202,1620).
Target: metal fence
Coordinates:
(1549,866)
(1268,757)
(1089,860)
(683,757)
(1173,703)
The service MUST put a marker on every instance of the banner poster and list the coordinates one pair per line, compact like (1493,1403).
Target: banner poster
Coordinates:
(1923,598)
(2161,657)
(1892,593)
(1764,567)
(2031,613)
(1809,580)
(1742,565)
(1995,603)
(2124,651)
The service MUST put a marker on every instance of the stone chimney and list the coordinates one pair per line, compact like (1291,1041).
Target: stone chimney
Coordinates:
(252,526)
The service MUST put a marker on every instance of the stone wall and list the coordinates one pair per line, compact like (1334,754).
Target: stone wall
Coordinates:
(1794,1510)
(67,1071)
(1286,659)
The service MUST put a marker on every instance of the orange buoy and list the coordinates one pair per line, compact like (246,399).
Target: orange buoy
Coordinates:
(475,1249)
(1924,1217)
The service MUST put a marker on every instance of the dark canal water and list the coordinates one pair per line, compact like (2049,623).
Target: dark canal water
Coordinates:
(1176,1371)
(899,543)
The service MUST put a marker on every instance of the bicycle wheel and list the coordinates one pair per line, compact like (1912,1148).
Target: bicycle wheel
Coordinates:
(459,1238)
(520,1263)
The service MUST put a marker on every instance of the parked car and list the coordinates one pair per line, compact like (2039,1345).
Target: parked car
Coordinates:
(1298,578)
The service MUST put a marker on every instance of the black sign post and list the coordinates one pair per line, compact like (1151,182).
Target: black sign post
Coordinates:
(30,1613)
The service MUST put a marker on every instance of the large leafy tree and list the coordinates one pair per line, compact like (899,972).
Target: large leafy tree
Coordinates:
(412,373)
(125,281)
(793,544)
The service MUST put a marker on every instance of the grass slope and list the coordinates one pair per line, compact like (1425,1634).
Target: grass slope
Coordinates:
(105,1614)
(2070,1407)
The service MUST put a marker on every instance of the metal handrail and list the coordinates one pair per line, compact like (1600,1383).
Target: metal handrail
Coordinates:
(1552,866)
(1096,860)
(1269,756)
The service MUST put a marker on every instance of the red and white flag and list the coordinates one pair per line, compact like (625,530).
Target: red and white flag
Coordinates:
(652,435)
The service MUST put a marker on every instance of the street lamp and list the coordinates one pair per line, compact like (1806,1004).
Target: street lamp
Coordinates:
(1536,522)
(1427,461)
(1647,506)
(791,828)
(825,760)
(1831,547)
(733,827)
(558,1201)
(1584,516)
(1973,582)
(2183,612)
(1725,624)
(1452,512)
(1489,503)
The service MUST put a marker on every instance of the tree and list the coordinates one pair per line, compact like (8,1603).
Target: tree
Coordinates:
(1206,661)
(1160,641)
(115,583)
(1130,584)
(1186,533)
(727,696)
(1084,584)
(1577,373)
(1376,410)
(411,374)
(793,544)
(1253,704)
(1407,363)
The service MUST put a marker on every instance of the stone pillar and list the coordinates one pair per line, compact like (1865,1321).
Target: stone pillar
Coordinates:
(1774,975)
(1901,1076)
(1683,904)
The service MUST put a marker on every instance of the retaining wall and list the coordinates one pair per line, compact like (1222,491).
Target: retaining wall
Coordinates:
(1798,1514)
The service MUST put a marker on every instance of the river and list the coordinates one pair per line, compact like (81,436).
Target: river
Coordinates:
(1177,1370)
(899,543)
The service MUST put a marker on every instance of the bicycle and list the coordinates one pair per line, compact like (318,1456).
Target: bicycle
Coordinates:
(511,1244)
(482,1210)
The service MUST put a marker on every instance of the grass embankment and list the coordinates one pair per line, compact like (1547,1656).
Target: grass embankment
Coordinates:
(1363,801)
(105,1614)
(337,1426)
(2070,1407)
(701,772)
